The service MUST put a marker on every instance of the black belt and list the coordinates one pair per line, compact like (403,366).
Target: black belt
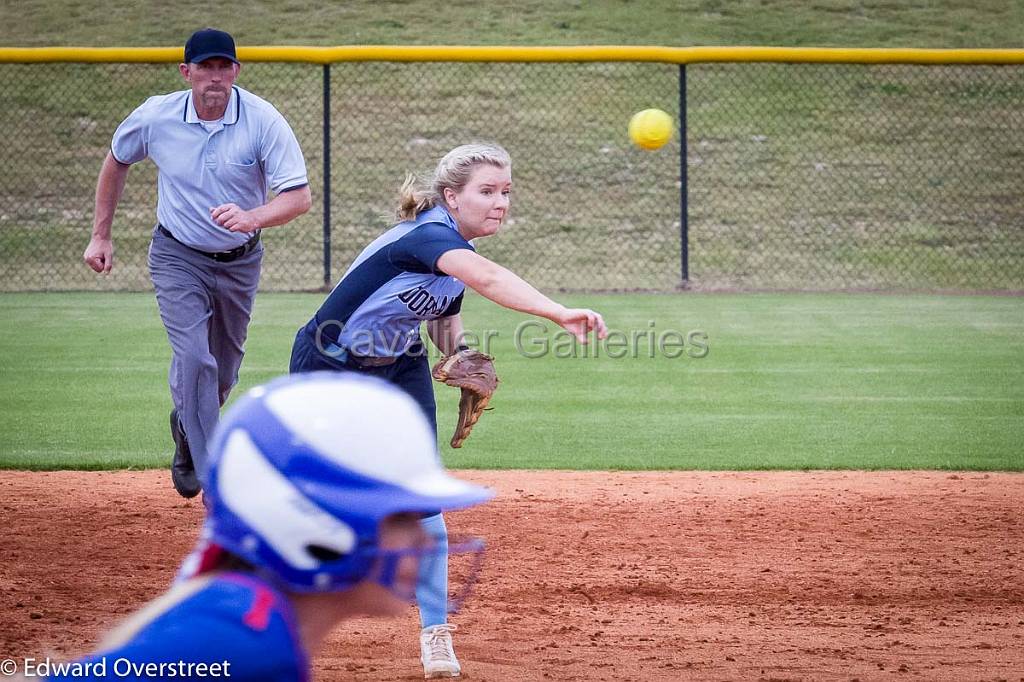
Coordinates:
(219,256)
(332,349)
(365,361)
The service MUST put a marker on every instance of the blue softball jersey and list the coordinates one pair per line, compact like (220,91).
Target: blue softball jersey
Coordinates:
(235,626)
(394,284)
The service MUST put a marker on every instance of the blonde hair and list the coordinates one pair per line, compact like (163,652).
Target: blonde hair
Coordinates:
(452,172)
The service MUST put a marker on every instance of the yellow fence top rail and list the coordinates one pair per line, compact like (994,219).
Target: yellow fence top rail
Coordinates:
(462,53)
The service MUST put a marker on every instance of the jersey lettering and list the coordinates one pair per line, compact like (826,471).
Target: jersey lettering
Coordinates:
(422,303)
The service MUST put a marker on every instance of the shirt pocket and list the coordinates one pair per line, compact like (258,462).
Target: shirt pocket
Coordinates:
(242,178)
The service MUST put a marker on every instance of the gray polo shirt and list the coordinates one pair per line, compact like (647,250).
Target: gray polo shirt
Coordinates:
(253,151)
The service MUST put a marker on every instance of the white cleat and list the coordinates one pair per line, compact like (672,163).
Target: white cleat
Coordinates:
(436,652)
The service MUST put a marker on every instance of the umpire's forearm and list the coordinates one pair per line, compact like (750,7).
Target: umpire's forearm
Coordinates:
(109,187)
(283,208)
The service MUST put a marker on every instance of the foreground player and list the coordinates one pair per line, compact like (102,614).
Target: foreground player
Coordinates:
(417,271)
(313,517)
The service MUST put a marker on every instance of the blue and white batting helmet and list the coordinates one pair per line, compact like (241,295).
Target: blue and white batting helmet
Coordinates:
(303,470)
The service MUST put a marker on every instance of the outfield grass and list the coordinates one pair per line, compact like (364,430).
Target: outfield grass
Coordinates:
(790,382)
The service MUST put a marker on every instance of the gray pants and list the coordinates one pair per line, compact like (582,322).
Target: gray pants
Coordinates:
(205,306)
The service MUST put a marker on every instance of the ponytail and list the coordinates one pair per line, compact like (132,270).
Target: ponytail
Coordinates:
(413,201)
(452,172)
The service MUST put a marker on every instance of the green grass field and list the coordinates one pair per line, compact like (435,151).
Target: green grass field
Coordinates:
(800,178)
(790,382)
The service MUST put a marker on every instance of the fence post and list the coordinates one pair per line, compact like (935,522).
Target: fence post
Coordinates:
(327,176)
(684,189)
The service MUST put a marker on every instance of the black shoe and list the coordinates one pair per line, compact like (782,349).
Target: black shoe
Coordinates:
(183,472)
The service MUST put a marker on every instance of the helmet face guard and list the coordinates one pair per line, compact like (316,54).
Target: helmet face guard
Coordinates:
(304,470)
(388,562)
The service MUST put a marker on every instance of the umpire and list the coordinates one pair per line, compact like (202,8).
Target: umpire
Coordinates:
(219,149)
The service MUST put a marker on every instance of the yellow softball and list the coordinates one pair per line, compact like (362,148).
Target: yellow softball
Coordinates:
(650,128)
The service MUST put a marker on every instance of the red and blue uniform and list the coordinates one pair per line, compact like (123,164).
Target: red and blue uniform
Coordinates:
(233,624)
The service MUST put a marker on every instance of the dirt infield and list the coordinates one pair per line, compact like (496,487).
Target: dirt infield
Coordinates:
(603,576)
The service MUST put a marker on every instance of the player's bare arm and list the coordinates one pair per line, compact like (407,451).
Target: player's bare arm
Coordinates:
(278,211)
(508,289)
(446,333)
(99,254)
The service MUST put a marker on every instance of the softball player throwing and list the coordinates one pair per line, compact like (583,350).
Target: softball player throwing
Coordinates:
(415,272)
(313,517)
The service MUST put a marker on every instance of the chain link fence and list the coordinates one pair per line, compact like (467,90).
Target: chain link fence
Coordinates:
(857,177)
(798,175)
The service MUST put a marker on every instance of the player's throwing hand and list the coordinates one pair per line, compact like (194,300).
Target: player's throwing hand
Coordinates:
(581,321)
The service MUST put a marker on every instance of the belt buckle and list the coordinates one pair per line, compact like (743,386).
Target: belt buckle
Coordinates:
(235,253)
(248,247)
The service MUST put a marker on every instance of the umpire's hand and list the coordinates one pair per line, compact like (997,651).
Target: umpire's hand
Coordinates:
(234,218)
(99,255)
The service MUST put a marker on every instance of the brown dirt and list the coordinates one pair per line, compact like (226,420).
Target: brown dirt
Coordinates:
(602,576)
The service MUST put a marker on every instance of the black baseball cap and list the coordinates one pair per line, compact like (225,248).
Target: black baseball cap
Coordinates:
(209,43)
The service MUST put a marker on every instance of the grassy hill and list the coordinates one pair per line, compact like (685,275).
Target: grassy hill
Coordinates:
(799,176)
(912,23)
